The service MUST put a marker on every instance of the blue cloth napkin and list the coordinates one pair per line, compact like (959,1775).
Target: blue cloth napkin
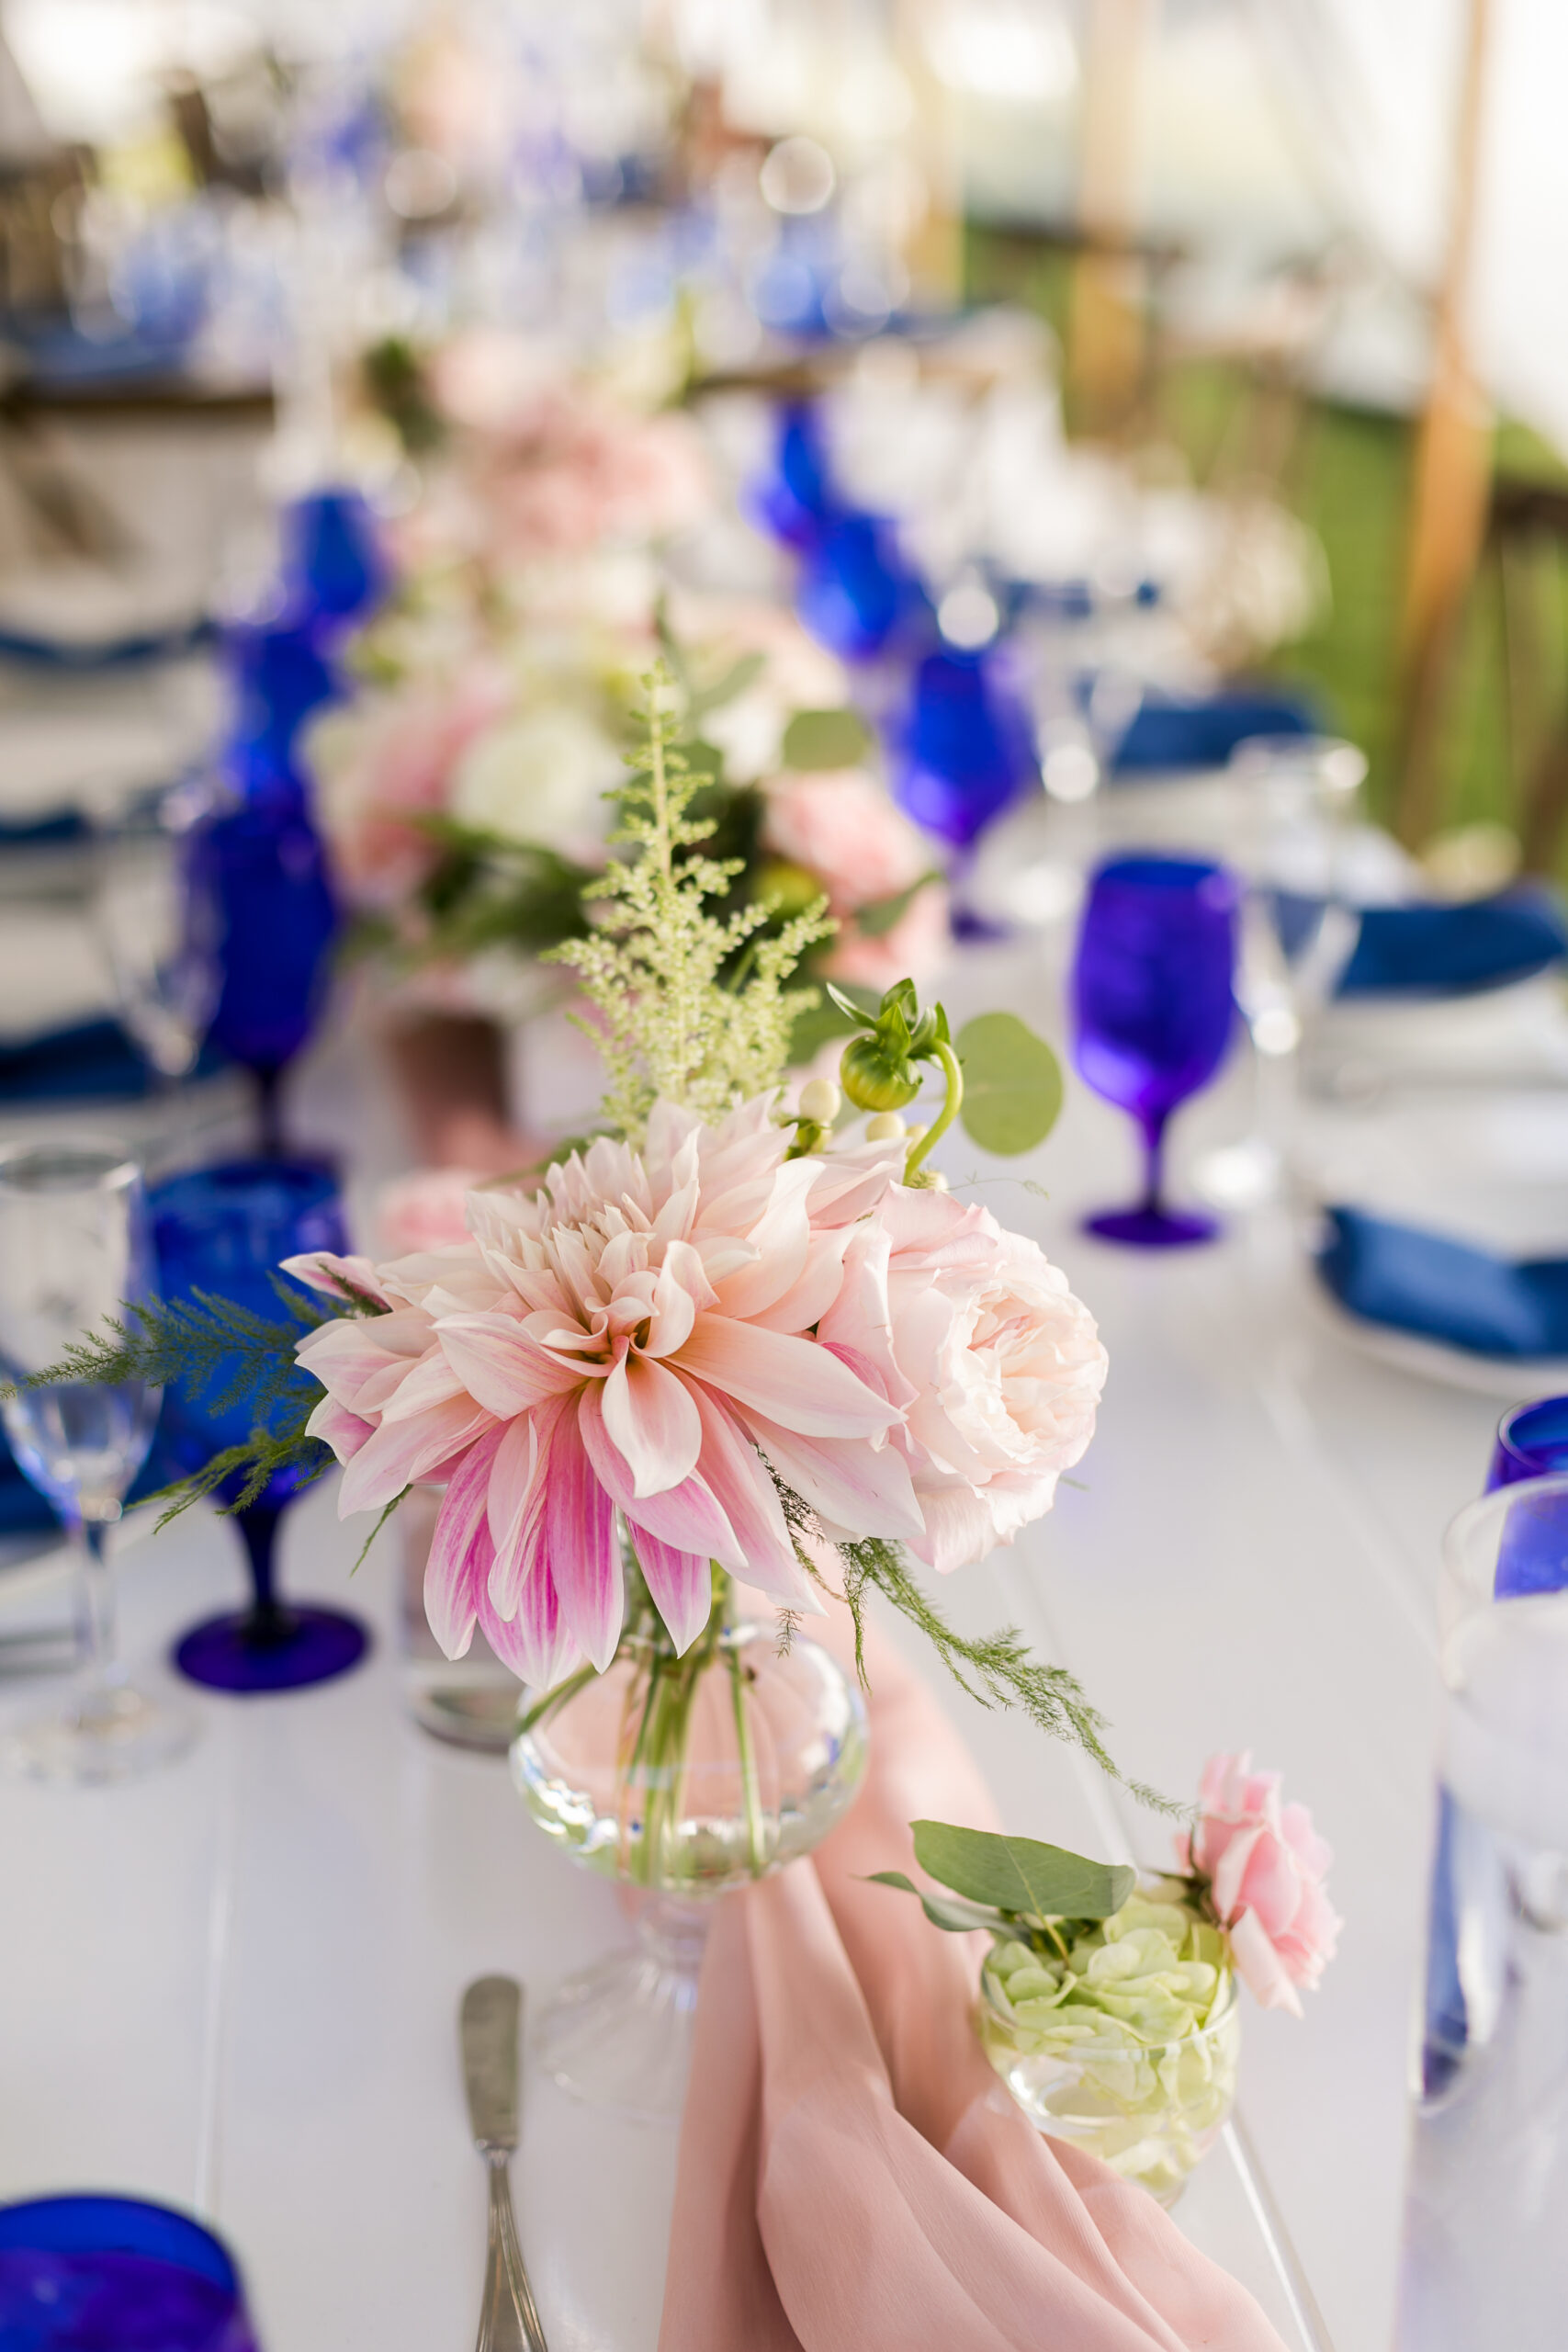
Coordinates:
(1169,734)
(129,653)
(1456,951)
(94,1061)
(1412,1280)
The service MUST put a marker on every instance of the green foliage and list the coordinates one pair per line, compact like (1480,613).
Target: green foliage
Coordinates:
(997,1670)
(1020,1875)
(488,891)
(1012,1084)
(826,738)
(686,1003)
(954,1918)
(225,1354)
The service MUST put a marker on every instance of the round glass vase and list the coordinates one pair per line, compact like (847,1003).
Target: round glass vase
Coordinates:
(1152,2110)
(683,1778)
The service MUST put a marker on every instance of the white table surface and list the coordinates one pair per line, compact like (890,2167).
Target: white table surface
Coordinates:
(234,1985)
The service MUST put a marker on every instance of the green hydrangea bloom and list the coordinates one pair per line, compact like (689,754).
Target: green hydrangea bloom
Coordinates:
(1125,2038)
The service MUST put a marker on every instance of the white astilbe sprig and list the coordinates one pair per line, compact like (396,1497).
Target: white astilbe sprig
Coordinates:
(668,1017)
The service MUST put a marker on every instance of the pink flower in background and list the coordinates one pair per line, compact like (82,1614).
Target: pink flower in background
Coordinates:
(999,1366)
(915,948)
(562,474)
(1266,1864)
(635,1336)
(842,826)
(389,757)
(425,1210)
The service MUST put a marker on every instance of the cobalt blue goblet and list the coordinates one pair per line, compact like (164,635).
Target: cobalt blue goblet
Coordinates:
(78,2273)
(793,499)
(262,867)
(962,754)
(335,571)
(1154,1013)
(1532,1551)
(223,1231)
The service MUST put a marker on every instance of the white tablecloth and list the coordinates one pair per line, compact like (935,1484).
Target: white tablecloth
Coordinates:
(235,1985)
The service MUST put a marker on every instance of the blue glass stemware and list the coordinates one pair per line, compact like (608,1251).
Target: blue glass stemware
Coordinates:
(223,1231)
(1154,1012)
(262,865)
(78,2273)
(963,752)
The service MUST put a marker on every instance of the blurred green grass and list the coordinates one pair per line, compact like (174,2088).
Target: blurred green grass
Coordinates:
(1347,477)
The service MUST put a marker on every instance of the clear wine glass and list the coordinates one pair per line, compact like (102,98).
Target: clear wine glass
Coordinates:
(159,926)
(74,1248)
(1298,931)
(1154,1013)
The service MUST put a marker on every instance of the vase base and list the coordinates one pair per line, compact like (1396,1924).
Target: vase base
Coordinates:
(619,2035)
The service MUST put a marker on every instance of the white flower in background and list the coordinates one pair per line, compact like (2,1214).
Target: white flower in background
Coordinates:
(540,778)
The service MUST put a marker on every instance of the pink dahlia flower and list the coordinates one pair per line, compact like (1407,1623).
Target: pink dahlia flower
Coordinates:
(1266,1865)
(636,1336)
(976,1333)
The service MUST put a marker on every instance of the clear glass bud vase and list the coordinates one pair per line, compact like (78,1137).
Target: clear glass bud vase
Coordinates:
(682,1778)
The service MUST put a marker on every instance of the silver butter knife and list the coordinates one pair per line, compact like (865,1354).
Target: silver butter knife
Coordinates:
(489,2027)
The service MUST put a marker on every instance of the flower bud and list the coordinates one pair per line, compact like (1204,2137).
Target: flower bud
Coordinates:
(873,1080)
(886,1127)
(820,1102)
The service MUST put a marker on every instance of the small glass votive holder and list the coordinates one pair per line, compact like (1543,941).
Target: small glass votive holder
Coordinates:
(87,2270)
(1152,2110)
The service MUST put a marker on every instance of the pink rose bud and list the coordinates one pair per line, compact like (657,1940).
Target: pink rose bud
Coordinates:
(1266,1864)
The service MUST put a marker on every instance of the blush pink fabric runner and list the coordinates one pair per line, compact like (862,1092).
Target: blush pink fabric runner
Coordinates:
(852,2175)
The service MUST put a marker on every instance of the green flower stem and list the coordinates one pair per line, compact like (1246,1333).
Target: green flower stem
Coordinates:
(751,1794)
(946,1115)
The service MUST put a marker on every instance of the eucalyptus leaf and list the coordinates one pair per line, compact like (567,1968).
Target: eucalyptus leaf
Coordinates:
(825,738)
(957,1919)
(1012,1083)
(1020,1874)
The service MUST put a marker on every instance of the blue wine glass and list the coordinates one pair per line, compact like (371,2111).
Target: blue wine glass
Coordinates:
(963,752)
(223,1231)
(262,867)
(1532,1551)
(81,2271)
(1154,1012)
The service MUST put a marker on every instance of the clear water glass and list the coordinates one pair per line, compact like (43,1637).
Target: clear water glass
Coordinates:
(159,926)
(1486,2259)
(1298,931)
(74,1249)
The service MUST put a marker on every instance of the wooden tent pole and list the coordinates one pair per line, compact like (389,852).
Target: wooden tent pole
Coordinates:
(1453,475)
(1105,339)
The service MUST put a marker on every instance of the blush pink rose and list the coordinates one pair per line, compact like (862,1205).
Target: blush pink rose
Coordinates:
(1001,1368)
(916,948)
(564,475)
(840,825)
(386,758)
(1266,1865)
